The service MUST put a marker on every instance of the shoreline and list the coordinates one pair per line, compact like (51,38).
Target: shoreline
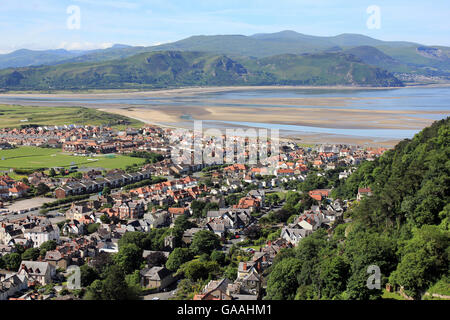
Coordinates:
(302,138)
(320,112)
(190,90)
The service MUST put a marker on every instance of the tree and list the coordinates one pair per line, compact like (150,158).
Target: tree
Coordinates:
(113,287)
(197,207)
(101,262)
(183,223)
(424,260)
(105,219)
(92,227)
(177,257)
(231,272)
(362,250)
(140,239)
(106,191)
(88,275)
(52,172)
(47,246)
(195,270)
(282,283)
(333,277)
(253,232)
(94,291)
(218,256)
(134,285)
(156,259)
(19,248)
(41,189)
(31,254)
(12,261)
(204,241)
(129,257)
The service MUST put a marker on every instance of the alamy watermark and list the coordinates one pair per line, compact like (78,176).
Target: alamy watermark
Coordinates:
(74,278)
(74,19)
(232,146)
(374,20)
(374,280)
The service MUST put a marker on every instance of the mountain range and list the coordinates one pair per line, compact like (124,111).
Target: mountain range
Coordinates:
(285,57)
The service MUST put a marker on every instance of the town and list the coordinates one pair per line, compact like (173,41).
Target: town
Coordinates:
(177,230)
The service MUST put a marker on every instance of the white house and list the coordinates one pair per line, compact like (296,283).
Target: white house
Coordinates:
(41,234)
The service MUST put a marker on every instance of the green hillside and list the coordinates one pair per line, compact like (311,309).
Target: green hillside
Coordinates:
(403,228)
(409,57)
(375,57)
(175,68)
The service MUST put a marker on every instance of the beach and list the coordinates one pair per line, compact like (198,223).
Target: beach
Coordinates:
(334,107)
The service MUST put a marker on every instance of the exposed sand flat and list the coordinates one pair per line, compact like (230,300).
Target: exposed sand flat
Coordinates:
(175,107)
(330,139)
(175,92)
(332,101)
(329,118)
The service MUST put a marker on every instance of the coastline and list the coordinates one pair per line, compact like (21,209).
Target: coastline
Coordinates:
(163,109)
(193,90)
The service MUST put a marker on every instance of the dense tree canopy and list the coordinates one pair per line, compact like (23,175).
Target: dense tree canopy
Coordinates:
(177,257)
(204,241)
(403,228)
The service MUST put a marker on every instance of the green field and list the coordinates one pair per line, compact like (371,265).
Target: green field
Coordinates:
(34,157)
(16,116)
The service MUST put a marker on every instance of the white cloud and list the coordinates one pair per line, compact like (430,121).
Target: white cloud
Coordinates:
(113,4)
(84,45)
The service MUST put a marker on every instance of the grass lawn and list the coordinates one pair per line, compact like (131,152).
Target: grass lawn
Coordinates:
(15,116)
(34,157)
(391,295)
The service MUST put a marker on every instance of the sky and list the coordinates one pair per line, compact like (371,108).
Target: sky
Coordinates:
(52,24)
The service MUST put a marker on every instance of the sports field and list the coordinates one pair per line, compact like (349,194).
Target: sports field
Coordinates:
(34,157)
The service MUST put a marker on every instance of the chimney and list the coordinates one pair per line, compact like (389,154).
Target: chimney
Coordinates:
(244,266)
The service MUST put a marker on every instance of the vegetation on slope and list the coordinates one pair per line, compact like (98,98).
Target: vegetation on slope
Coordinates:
(403,228)
(12,116)
(173,69)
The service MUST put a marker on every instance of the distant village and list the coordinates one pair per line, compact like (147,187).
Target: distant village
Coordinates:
(90,209)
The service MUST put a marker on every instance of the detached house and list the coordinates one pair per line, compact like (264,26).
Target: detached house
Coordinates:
(40,234)
(294,235)
(363,192)
(37,272)
(11,285)
(215,290)
(156,278)
(319,194)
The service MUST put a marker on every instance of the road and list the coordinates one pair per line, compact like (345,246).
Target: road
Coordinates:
(163,295)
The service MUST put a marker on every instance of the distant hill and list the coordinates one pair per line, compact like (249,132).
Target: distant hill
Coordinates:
(175,68)
(408,56)
(26,58)
(375,57)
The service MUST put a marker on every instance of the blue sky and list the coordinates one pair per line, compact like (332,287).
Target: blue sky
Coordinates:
(42,24)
